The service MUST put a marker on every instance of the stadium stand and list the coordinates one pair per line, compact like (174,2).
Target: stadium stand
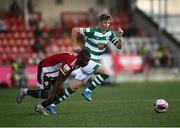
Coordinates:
(38,40)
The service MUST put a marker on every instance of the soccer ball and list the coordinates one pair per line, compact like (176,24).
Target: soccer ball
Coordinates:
(160,106)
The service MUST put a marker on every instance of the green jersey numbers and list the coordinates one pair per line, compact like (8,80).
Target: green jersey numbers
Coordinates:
(96,41)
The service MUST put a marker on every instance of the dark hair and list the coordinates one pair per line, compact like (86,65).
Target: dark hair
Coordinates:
(104,16)
(83,57)
(84,54)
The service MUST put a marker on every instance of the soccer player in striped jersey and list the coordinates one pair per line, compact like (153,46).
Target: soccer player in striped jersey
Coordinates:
(96,41)
(52,72)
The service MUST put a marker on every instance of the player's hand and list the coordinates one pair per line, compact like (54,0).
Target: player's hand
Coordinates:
(101,46)
(120,32)
(76,50)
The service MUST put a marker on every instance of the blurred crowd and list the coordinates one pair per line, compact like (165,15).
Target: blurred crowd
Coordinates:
(48,39)
(34,42)
(160,57)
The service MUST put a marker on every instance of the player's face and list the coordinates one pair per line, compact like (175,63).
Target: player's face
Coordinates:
(82,61)
(104,25)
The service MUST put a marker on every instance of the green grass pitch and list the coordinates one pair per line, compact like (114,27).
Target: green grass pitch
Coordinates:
(124,104)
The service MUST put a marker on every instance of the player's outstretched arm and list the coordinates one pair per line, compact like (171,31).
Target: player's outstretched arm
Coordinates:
(119,35)
(74,35)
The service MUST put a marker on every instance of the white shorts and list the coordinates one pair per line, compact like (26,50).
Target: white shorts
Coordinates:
(84,72)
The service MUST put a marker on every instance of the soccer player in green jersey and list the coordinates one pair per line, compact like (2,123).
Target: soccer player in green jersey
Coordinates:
(96,41)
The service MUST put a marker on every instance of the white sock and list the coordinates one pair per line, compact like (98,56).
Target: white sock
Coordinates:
(25,91)
(87,89)
(52,105)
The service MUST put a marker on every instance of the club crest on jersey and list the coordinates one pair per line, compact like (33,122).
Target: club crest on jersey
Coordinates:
(97,38)
(46,83)
(66,68)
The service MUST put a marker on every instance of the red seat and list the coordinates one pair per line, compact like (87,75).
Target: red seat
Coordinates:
(18,42)
(16,35)
(2,35)
(25,42)
(4,56)
(7,49)
(14,49)
(1,50)
(30,35)
(21,49)
(11,42)
(4,42)
(9,35)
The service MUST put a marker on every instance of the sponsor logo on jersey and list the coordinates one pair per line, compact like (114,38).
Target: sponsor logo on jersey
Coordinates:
(66,68)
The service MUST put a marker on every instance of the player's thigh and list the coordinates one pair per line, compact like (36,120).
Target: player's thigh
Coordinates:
(102,69)
(76,84)
(82,77)
(60,89)
(91,67)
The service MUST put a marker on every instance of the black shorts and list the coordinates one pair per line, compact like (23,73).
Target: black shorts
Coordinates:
(44,81)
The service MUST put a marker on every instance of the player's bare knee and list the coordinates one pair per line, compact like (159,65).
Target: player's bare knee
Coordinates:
(103,70)
(74,89)
(106,72)
(76,84)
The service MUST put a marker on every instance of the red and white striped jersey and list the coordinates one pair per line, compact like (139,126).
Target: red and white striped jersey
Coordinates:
(62,63)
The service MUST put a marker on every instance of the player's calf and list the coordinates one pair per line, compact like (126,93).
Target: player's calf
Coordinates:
(99,79)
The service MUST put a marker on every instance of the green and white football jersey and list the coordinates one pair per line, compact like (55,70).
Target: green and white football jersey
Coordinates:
(93,37)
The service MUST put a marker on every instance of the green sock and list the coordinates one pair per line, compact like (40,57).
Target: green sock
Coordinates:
(97,81)
(68,92)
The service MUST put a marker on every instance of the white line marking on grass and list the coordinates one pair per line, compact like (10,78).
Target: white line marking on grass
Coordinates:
(125,101)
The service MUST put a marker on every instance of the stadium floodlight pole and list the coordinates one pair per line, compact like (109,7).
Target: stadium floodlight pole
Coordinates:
(152,8)
(166,13)
(26,14)
(160,24)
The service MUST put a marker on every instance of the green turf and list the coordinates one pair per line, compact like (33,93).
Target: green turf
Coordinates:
(126,104)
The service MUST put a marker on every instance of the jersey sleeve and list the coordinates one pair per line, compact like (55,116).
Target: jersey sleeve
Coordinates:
(113,38)
(85,31)
(68,63)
